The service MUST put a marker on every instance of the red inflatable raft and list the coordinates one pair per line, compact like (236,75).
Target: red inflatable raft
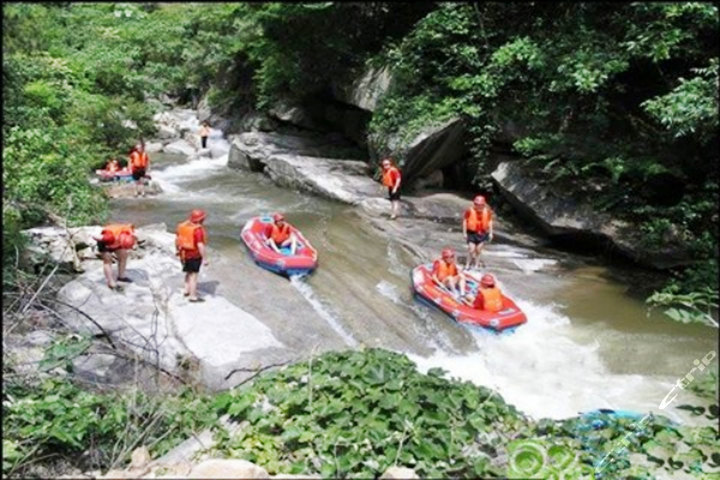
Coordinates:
(431,294)
(302,263)
(107,176)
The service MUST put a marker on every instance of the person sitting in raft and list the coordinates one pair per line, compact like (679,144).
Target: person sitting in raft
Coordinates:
(445,273)
(112,165)
(489,297)
(279,235)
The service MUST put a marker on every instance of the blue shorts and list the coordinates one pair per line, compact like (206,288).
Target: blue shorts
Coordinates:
(477,238)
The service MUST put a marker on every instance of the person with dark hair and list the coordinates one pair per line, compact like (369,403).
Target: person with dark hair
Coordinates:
(204,134)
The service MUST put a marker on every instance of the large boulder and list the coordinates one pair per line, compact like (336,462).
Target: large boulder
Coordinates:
(299,162)
(182,147)
(66,247)
(295,115)
(128,190)
(432,148)
(365,91)
(561,215)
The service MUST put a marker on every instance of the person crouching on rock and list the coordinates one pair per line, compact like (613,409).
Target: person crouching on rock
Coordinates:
(279,235)
(117,239)
(139,166)
(489,297)
(190,242)
(446,273)
(391,178)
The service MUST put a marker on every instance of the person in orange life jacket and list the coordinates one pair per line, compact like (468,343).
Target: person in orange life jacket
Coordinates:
(489,297)
(139,165)
(392,178)
(279,235)
(445,273)
(190,244)
(477,229)
(204,134)
(117,239)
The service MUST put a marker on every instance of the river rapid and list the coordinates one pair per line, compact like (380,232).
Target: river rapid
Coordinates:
(588,343)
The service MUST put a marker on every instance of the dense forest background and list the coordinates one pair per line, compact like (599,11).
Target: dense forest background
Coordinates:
(616,103)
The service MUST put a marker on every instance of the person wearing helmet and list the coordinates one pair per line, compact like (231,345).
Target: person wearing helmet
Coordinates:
(477,229)
(489,297)
(445,273)
(139,166)
(190,244)
(391,178)
(279,235)
(117,239)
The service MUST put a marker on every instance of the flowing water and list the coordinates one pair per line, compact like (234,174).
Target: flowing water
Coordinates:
(587,344)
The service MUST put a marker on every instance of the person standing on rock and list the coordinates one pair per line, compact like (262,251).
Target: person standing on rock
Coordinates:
(391,178)
(477,229)
(139,166)
(190,242)
(204,134)
(115,238)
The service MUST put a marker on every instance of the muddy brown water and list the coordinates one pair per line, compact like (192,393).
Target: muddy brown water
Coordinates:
(588,343)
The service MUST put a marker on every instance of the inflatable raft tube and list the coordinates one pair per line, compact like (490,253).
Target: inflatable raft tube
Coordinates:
(431,294)
(302,263)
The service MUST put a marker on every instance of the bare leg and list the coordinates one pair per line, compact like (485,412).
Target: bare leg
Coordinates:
(395,209)
(107,269)
(122,256)
(471,252)
(192,285)
(293,244)
(186,292)
(477,256)
(462,285)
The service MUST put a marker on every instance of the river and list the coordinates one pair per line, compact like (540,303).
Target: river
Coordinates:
(587,344)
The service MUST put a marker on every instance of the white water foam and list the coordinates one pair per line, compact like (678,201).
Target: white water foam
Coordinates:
(543,372)
(530,265)
(323,310)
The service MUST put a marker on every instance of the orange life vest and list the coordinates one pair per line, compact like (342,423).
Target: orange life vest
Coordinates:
(185,236)
(122,235)
(492,299)
(280,234)
(139,160)
(387,176)
(481,224)
(444,270)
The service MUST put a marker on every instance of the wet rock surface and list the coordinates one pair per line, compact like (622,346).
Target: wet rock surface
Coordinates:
(561,215)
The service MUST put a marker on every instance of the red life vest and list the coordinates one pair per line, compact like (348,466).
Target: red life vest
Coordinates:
(122,234)
(139,159)
(443,269)
(280,234)
(390,176)
(478,223)
(492,299)
(185,239)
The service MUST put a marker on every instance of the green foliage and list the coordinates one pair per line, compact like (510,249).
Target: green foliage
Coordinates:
(357,413)
(57,419)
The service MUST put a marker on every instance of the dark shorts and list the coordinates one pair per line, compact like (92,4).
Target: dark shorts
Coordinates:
(393,196)
(477,238)
(102,248)
(138,174)
(203,141)
(192,265)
